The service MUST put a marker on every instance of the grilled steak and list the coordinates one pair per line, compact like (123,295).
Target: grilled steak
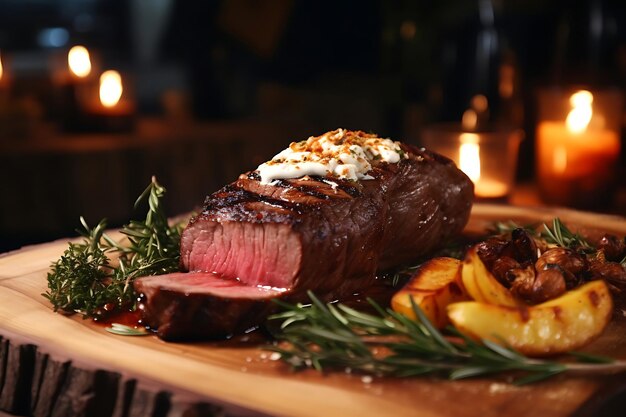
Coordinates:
(255,240)
(201,305)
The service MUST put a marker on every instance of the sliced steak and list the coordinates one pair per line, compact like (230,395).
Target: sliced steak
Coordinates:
(323,234)
(327,245)
(201,305)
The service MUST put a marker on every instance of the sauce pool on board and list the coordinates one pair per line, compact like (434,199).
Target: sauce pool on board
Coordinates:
(126,317)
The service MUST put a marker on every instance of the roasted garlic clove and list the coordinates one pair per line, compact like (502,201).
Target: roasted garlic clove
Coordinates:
(523,282)
(548,284)
(566,259)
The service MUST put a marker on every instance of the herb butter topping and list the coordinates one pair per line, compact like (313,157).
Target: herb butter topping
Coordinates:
(340,153)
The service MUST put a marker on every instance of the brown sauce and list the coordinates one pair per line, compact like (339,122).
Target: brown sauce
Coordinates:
(126,317)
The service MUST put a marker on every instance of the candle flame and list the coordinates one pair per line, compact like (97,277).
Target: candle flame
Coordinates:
(1,68)
(110,88)
(469,156)
(79,61)
(579,117)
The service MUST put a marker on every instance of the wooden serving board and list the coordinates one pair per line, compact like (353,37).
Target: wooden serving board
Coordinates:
(52,364)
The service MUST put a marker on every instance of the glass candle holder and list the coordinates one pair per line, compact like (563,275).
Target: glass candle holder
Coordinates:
(489,158)
(578,146)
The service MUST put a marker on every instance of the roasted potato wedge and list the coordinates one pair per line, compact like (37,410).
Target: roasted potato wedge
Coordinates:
(481,285)
(556,326)
(433,286)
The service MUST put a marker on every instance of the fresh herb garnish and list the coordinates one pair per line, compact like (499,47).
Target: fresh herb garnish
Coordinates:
(560,235)
(402,275)
(337,337)
(557,234)
(84,279)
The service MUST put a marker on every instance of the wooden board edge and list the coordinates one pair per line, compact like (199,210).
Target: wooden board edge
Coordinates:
(503,211)
(40,382)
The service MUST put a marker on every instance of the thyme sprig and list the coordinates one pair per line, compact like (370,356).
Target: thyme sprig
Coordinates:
(85,278)
(337,337)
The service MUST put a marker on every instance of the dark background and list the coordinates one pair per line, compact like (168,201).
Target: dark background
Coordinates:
(250,76)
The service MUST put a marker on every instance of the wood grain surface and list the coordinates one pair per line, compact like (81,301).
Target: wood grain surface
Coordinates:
(55,365)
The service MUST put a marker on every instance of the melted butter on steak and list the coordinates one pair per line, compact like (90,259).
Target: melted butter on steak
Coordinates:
(340,153)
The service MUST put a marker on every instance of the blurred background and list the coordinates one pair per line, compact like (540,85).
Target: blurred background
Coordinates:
(96,96)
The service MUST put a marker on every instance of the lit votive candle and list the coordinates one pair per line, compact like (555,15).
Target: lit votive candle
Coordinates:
(109,108)
(577,155)
(488,158)
(488,184)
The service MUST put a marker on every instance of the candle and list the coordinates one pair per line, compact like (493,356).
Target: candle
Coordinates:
(72,80)
(576,156)
(109,98)
(470,163)
(109,109)
(488,158)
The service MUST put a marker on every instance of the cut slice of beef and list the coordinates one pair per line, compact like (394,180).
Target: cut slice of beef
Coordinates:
(201,305)
(327,235)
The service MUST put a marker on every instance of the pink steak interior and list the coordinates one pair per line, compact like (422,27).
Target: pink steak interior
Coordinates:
(266,255)
(208,283)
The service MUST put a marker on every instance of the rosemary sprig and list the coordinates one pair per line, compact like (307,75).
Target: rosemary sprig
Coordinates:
(84,279)
(402,275)
(556,234)
(334,336)
(154,246)
(562,236)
